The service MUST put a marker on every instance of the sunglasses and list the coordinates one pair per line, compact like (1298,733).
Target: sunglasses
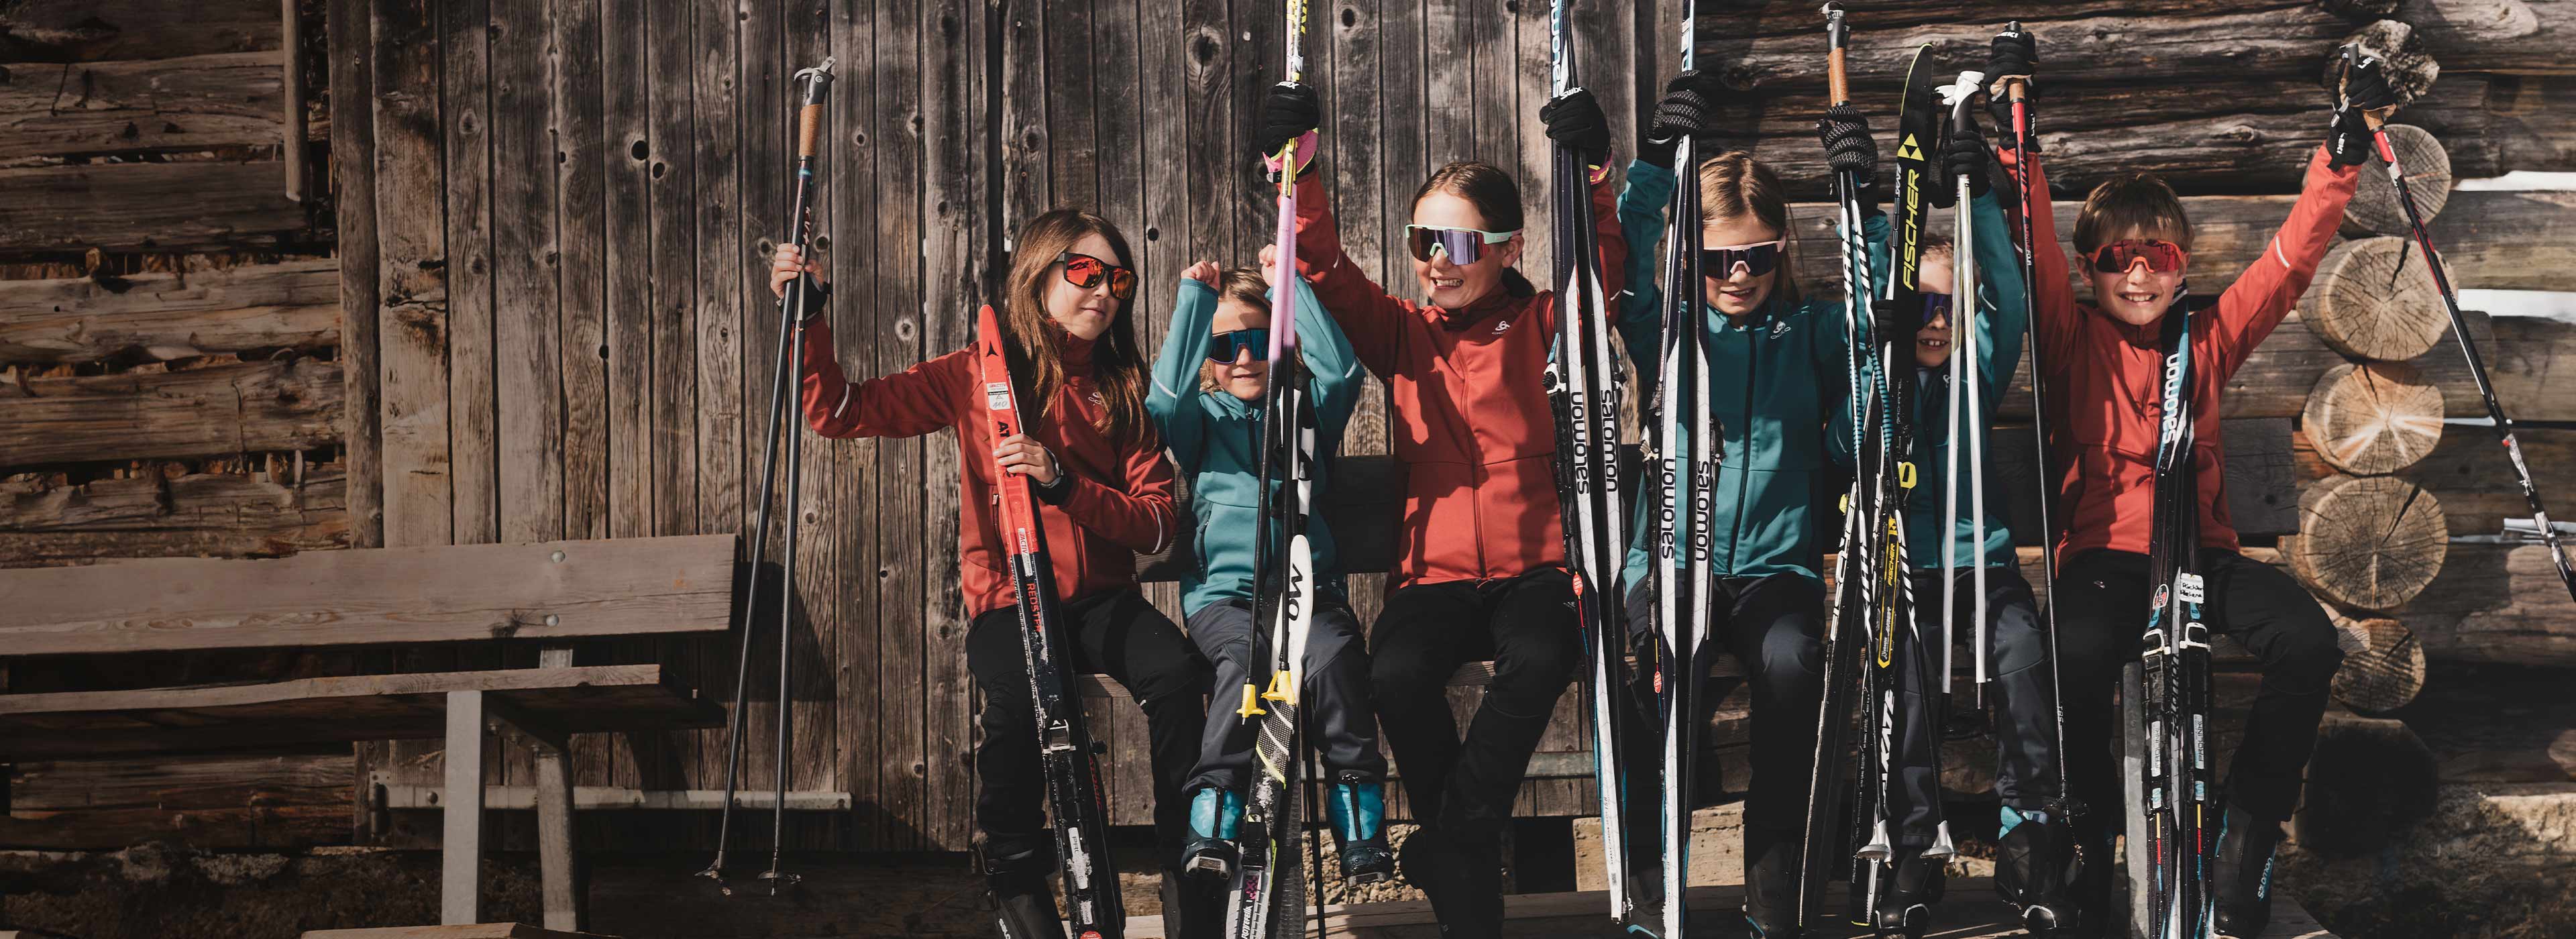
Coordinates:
(1935,304)
(1223,347)
(1085,271)
(1756,259)
(1462,245)
(2162,257)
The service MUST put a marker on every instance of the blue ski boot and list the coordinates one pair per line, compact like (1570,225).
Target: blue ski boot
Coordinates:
(1358,807)
(2241,875)
(1215,816)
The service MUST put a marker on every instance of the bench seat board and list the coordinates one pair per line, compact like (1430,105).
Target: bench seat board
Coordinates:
(468,931)
(580,699)
(609,587)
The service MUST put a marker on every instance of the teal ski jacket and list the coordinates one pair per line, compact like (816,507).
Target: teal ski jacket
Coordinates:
(1213,436)
(1777,386)
(2000,333)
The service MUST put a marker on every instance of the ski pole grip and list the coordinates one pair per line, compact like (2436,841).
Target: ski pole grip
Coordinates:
(809,118)
(1837,80)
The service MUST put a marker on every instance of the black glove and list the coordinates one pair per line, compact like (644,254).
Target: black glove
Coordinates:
(1849,147)
(1689,99)
(1575,120)
(2364,88)
(817,296)
(1885,321)
(2015,52)
(1288,111)
(1964,155)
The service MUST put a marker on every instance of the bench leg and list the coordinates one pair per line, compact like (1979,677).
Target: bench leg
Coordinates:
(556,863)
(460,888)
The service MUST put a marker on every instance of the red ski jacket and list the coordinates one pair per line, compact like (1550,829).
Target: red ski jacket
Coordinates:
(1121,501)
(1471,420)
(2104,376)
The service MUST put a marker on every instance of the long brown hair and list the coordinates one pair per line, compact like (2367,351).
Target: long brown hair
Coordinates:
(1116,367)
(1496,197)
(1732,185)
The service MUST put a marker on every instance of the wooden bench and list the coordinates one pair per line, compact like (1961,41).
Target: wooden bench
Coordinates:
(546,594)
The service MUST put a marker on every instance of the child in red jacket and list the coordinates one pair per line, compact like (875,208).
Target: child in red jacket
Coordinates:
(1480,571)
(1106,496)
(2105,364)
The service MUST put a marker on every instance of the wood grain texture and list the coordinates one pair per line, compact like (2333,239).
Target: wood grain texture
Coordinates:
(2374,298)
(2374,209)
(197,206)
(330,598)
(205,514)
(200,102)
(290,304)
(242,407)
(352,76)
(412,274)
(2375,418)
(2383,665)
(522,399)
(467,118)
(579,699)
(101,30)
(2368,542)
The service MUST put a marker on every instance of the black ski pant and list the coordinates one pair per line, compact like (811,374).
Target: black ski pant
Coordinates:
(1335,703)
(1117,633)
(1774,625)
(1526,625)
(2101,613)
(2025,720)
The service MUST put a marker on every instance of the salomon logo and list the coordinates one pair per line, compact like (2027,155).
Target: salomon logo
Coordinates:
(2171,427)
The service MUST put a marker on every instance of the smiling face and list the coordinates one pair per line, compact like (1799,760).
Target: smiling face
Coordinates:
(1446,283)
(2137,296)
(1734,292)
(1249,374)
(1084,312)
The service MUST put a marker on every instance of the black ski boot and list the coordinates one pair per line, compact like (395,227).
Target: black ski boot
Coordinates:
(1915,883)
(1771,885)
(1023,902)
(1193,906)
(1463,877)
(1215,815)
(1358,807)
(2036,865)
(2240,877)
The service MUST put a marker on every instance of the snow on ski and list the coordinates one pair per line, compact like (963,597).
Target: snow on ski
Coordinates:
(1074,795)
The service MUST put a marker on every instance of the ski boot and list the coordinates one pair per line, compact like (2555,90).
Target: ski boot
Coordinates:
(2036,865)
(1215,815)
(1915,883)
(1771,886)
(2241,875)
(1358,808)
(1022,902)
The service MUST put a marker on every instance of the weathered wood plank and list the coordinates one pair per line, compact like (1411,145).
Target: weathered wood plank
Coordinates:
(198,102)
(524,361)
(577,699)
(767,111)
(671,199)
(410,181)
(564,589)
(959,232)
(208,501)
(809,626)
(881,721)
(581,222)
(2495,603)
(289,404)
(233,801)
(291,304)
(353,191)
(97,30)
(469,117)
(195,206)
(625,78)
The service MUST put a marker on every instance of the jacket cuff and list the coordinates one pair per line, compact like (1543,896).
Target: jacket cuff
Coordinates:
(1056,492)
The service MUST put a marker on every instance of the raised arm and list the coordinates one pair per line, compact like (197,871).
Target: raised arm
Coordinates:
(1641,306)
(1373,320)
(908,403)
(2052,299)
(1173,399)
(2267,291)
(2007,306)
(1334,365)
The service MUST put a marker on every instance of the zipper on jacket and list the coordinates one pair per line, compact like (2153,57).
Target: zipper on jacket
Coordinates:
(1744,480)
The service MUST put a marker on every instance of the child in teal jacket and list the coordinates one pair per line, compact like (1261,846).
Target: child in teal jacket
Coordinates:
(1778,379)
(1208,386)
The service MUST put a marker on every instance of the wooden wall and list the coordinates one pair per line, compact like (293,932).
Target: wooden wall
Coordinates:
(551,218)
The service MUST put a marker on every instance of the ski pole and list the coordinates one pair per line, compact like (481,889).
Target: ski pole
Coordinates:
(2378,121)
(787,369)
(1967,399)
